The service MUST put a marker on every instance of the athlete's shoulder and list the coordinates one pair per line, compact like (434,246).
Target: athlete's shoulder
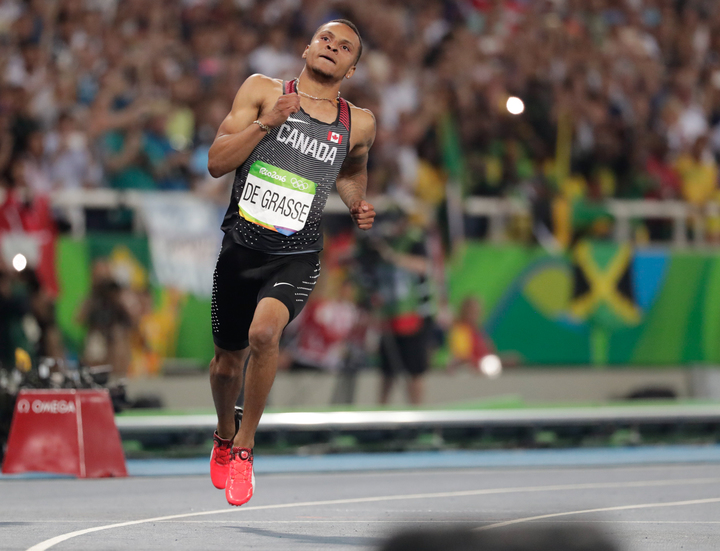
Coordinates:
(363,124)
(256,91)
(262,82)
(361,116)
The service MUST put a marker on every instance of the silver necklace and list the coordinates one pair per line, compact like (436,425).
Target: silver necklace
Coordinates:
(297,87)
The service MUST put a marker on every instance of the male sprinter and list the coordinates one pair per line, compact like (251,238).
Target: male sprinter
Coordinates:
(288,142)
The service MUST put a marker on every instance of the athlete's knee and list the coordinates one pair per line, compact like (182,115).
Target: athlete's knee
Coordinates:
(263,336)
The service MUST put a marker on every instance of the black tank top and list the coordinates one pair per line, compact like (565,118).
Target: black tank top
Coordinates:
(281,189)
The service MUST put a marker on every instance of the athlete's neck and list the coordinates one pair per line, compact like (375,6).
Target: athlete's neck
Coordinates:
(316,87)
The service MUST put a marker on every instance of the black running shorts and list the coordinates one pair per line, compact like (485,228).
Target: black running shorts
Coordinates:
(245,276)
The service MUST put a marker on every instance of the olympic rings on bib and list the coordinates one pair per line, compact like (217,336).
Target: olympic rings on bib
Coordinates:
(299,184)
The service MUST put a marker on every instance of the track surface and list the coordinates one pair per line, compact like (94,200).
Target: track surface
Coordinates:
(647,508)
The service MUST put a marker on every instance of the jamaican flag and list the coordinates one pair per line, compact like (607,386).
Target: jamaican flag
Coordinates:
(603,294)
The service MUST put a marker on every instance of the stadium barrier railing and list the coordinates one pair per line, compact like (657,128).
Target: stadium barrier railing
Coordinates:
(498,211)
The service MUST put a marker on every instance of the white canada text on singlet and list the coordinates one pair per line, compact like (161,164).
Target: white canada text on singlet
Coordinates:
(306,145)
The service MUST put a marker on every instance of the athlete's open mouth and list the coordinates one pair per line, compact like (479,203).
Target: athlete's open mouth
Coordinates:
(328,58)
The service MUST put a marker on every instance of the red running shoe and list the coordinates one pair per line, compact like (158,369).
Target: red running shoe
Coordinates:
(241,479)
(222,454)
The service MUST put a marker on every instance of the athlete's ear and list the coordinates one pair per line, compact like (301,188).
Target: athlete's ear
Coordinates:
(304,56)
(350,72)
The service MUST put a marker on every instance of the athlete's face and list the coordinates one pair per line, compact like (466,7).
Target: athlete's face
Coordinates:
(333,51)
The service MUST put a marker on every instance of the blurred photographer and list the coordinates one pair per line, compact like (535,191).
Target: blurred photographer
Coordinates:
(397,258)
(109,323)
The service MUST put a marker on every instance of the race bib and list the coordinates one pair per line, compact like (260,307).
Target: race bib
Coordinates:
(276,199)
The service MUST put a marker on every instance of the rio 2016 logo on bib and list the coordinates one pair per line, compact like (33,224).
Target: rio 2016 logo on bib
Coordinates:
(276,199)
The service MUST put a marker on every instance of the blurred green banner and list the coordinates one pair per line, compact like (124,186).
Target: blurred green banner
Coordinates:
(602,303)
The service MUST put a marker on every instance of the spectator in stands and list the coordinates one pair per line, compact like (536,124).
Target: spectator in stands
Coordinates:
(7,140)
(273,56)
(685,124)
(211,114)
(168,164)
(610,80)
(36,167)
(20,122)
(117,120)
(665,181)
(71,162)
(125,163)
(30,69)
(698,173)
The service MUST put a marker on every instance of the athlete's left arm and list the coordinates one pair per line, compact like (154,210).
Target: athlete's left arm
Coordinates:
(352,180)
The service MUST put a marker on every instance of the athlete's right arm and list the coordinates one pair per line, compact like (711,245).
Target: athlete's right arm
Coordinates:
(259,98)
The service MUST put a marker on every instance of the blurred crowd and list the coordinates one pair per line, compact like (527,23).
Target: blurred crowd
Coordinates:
(622,97)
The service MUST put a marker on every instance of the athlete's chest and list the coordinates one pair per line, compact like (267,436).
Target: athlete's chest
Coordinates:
(293,165)
(322,145)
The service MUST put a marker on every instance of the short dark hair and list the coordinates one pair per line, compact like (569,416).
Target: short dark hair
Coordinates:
(350,24)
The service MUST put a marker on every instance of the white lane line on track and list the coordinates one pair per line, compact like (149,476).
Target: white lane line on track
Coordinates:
(599,510)
(593,521)
(47,544)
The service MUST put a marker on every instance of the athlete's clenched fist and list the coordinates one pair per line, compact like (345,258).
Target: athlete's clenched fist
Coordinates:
(286,105)
(363,213)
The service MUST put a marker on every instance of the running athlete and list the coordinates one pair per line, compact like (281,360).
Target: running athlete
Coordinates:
(288,142)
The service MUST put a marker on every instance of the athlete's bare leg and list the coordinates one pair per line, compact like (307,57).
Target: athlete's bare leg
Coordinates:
(271,317)
(226,378)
